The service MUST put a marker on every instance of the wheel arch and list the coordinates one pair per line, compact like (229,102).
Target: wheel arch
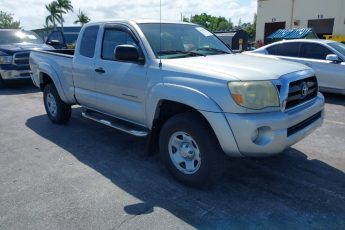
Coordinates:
(181,96)
(182,99)
(166,101)
(50,76)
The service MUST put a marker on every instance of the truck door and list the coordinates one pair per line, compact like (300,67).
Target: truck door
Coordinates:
(121,86)
(83,67)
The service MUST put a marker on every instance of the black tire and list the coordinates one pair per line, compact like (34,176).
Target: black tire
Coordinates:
(62,112)
(211,155)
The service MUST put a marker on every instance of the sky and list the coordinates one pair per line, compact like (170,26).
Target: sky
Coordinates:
(32,13)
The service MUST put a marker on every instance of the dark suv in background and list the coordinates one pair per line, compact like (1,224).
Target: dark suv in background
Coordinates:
(15,47)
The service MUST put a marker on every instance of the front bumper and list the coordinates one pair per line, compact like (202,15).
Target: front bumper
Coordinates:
(264,134)
(15,74)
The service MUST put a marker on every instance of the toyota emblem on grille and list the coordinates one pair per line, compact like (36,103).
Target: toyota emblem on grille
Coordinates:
(304,89)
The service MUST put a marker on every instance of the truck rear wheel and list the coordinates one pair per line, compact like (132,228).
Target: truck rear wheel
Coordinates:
(190,150)
(58,111)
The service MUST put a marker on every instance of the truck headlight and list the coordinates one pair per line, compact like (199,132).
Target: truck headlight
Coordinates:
(6,59)
(254,94)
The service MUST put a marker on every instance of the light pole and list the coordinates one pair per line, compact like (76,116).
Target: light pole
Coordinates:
(292,12)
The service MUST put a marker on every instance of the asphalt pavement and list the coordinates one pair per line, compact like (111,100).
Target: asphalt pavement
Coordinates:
(87,176)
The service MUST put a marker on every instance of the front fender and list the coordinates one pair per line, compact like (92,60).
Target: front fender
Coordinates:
(199,101)
(180,94)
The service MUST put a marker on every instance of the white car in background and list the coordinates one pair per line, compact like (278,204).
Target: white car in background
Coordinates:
(326,57)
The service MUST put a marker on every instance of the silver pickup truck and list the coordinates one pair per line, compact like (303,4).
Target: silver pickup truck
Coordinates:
(182,87)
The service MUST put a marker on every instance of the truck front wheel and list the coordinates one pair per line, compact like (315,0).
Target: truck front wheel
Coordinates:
(58,111)
(190,150)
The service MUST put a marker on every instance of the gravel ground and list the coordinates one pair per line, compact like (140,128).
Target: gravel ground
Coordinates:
(87,176)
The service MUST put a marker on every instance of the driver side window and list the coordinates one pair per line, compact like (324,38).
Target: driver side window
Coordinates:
(113,38)
(315,51)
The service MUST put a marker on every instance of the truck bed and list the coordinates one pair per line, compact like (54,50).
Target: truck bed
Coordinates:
(64,52)
(56,63)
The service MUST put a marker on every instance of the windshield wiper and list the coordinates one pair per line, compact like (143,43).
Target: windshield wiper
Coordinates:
(213,50)
(189,53)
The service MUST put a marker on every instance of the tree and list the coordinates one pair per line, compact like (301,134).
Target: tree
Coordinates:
(7,21)
(54,14)
(82,18)
(250,28)
(64,7)
(212,23)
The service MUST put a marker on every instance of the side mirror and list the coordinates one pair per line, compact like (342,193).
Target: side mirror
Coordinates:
(127,53)
(333,58)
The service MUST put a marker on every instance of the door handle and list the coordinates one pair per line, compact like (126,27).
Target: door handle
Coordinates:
(100,70)
(307,64)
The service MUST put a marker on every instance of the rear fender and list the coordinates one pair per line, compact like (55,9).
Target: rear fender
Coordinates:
(49,70)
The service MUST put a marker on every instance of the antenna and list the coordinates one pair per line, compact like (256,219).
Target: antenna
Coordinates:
(160,33)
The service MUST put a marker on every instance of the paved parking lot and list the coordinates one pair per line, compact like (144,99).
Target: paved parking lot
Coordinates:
(87,176)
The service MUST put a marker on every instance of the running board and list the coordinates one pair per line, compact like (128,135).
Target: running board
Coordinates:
(115,123)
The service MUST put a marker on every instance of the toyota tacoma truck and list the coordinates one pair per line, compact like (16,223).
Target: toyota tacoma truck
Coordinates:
(15,47)
(184,89)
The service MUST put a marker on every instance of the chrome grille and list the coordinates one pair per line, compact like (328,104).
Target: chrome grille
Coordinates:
(301,91)
(21,58)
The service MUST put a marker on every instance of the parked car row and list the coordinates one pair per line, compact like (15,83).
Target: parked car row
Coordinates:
(326,57)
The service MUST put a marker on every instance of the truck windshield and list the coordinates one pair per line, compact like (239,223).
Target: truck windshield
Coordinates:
(18,36)
(340,47)
(182,40)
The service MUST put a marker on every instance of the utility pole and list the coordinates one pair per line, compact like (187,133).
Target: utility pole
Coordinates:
(292,12)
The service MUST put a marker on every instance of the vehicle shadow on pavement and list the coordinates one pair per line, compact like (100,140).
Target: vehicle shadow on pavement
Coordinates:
(19,87)
(335,99)
(286,191)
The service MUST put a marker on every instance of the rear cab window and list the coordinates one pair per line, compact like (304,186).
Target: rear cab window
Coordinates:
(88,41)
(57,35)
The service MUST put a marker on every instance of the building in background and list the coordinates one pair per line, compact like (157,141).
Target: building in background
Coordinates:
(325,17)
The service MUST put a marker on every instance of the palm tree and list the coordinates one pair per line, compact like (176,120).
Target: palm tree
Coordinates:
(54,14)
(82,18)
(64,6)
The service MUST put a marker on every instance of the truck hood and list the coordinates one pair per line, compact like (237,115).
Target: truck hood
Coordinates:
(239,66)
(12,48)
